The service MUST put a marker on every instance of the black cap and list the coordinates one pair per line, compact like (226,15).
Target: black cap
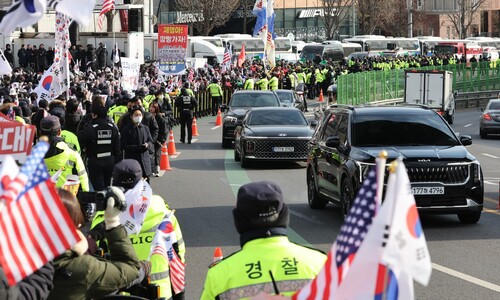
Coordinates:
(127,173)
(259,206)
(49,124)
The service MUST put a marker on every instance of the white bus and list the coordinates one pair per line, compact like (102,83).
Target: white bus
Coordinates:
(410,46)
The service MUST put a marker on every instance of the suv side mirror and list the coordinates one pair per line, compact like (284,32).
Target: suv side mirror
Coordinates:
(223,107)
(466,140)
(332,142)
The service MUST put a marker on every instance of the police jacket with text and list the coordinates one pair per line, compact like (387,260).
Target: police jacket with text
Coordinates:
(246,272)
(186,105)
(101,139)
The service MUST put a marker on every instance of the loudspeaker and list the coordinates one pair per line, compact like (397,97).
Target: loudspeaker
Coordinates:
(135,20)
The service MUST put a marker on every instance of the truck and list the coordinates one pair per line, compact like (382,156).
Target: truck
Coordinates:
(433,89)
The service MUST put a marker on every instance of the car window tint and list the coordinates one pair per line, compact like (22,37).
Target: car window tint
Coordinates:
(342,131)
(494,105)
(399,130)
(285,96)
(277,117)
(332,126)
(254,100)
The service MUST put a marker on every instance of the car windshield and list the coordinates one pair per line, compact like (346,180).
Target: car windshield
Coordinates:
(285,96)
(401,130)
(494,105)
(276,117)
(253,100)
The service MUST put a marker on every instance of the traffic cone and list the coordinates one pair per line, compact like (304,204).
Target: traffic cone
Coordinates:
(217,255)
(171,144)
(218,120)
(320,95)
(194,127)
(164,162)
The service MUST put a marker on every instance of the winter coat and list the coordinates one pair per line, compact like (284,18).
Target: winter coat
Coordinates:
(133,139)
(36,286)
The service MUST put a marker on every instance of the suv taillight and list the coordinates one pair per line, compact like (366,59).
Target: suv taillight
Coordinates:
(487,117)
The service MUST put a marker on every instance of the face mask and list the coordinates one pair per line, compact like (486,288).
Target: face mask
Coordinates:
(137,119)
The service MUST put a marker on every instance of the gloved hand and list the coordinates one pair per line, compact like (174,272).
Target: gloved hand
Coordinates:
(145,269)
(112,213)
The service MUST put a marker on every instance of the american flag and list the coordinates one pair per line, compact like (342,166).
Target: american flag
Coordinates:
(107,5)
(343,251)
(227,55)
(35,226)
(162,244)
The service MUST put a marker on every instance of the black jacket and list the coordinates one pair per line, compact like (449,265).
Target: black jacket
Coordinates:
(147,119)
(133,139)
(99,130)
(36,286)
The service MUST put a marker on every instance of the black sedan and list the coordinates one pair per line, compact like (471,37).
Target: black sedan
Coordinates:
(490,119)
(272,134)
(290,98)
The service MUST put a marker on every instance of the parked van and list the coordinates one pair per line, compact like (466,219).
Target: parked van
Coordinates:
(334,52)
(491,53)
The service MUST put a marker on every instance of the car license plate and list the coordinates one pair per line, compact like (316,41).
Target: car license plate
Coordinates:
(427,190)
(283,149)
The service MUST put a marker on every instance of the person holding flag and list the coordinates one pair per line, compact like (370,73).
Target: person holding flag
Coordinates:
(267,261)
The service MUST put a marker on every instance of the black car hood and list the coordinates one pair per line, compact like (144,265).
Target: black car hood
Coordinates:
(414,153)
(279,131)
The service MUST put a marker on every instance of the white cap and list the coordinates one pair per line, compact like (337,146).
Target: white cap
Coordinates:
(12,92)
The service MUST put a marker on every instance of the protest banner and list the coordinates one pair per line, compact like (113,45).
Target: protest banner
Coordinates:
(16,139)
(172,49)
(130,73)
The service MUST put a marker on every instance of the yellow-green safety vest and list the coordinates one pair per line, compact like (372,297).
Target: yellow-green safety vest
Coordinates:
(214,89)
(262,84)
(66,161)
(71,140)
(116,112)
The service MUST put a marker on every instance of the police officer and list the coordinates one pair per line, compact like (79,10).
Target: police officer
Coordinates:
(127,174)
(216,94)
(249,83)
(119,108)
(60,157)
(263,82)
(261,218)
(101,141)
(273,82)
(186,105)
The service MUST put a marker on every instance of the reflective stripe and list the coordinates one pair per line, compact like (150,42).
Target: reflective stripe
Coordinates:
(105,154)
(159,276)
(180,241)
(95,125)
(83,172)
(100,142)
(248,291)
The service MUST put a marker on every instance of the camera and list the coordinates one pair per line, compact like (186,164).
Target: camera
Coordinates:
(91,202)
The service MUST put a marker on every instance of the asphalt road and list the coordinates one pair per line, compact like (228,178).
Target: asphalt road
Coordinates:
(203,184)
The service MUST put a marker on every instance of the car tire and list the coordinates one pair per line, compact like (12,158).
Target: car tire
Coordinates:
(469,217)
(313,198)
(346,197)
(482,134)
(237,156)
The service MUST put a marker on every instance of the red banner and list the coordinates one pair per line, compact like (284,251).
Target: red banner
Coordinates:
(124,20)
(16,139)
(172,48)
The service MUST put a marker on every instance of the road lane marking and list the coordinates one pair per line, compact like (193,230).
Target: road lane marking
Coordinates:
(491,211)
(237,176)
(489,155)
(174,155)
(466,277)
(300,215)
(490,183)
(491,200)
(215,127)
(468,125)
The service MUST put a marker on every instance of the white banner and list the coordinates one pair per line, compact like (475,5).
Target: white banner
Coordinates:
(130,73)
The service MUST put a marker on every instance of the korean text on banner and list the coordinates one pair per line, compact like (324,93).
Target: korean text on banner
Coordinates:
(16,140)
(130,73)
(172,49)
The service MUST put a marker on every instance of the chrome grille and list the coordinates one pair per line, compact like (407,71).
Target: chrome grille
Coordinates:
(445,174)
(264,149)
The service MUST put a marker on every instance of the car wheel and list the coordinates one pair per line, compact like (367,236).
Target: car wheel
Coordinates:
(237,156)
(469,217)
(243,160)
(315,202)
(482,134)
(346,197)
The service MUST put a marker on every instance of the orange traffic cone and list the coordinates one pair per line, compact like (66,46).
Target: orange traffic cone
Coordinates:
(217,255)
(320,95)
(164,162)
(218,120)
(194,127)
(171,144)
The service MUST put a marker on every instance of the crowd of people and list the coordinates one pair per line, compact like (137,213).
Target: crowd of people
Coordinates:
(109,137)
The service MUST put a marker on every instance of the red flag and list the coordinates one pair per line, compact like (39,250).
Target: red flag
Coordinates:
(35,226)
(107,5)
(241,57)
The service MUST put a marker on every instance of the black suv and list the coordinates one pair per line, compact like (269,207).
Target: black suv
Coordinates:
(240,103)
(445,177)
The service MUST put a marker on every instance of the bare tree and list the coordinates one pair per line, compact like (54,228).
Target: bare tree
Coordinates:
(464,15)
(394,20)
(208,14)
(369,13)
(246,6)
(334,13)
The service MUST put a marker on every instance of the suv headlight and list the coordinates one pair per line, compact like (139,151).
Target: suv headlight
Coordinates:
(476,171)
(363,169)
(229,119)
